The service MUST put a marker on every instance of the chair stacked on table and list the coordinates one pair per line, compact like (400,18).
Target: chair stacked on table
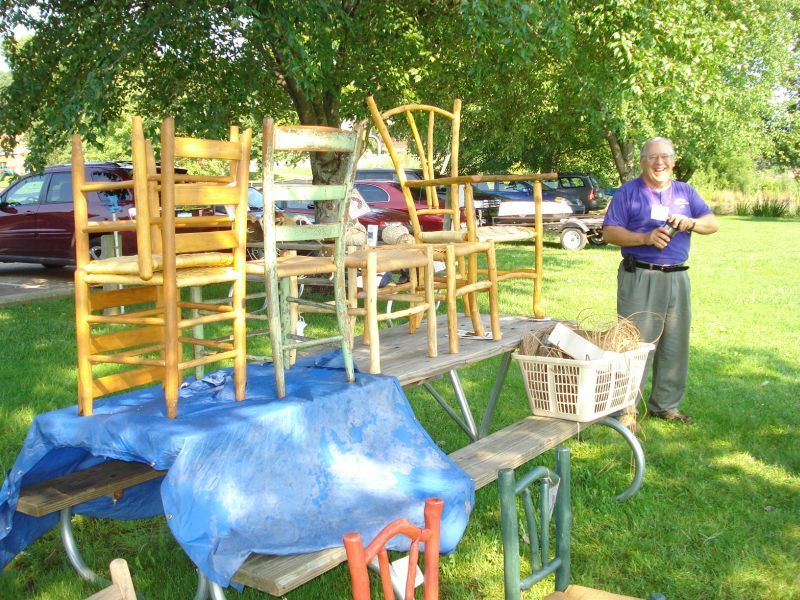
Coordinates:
(466,243)
(138,319)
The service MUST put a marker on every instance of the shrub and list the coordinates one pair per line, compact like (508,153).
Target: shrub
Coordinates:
(770,207)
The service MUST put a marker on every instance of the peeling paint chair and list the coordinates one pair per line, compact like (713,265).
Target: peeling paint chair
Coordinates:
(358,557)
(139,320)
(279,272)
(542,564)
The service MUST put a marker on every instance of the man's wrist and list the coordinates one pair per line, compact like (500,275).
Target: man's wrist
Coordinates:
(692,226)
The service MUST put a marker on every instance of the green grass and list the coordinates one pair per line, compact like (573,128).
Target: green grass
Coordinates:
(717,516)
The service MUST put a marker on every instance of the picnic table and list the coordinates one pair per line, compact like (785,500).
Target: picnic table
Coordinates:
(482,458)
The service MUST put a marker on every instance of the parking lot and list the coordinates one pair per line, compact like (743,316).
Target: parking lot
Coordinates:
(21,282)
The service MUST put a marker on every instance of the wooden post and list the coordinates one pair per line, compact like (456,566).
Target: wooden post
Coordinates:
(371,288)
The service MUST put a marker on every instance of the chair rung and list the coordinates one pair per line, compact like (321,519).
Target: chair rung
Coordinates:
(124,359)
(219,308)
(206,343)
(478,286)
(208,358)
(202,320)
(314,303)
(315,342)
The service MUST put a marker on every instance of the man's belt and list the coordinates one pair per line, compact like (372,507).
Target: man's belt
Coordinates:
(663,268)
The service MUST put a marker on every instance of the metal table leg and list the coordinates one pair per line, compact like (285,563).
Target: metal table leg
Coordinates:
(73,554)
(638,455)
(466,420)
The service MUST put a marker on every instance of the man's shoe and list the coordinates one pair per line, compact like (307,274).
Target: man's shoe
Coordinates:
(673,415)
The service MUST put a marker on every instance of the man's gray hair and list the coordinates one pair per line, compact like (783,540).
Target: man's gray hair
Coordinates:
(654,140)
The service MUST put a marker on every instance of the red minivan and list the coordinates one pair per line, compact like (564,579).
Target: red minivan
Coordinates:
(36,217)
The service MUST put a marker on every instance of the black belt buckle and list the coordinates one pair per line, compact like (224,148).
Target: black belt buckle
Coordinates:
(662,268)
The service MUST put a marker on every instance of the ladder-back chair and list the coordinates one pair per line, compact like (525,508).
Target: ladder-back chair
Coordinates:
(140,324)
(358,557)
(454,243)
(278,271)
(543,562)
(419,203)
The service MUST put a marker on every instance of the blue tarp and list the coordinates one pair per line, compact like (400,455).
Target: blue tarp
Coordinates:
(263,475)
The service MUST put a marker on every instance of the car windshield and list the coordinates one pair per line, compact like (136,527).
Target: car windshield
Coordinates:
(255,199)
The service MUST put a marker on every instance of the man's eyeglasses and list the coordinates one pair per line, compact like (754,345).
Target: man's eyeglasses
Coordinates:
(662,157)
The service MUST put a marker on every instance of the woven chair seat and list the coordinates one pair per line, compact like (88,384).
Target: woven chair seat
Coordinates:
(505,233)
(395,259)
(185,277)
(294,266)
(129,265)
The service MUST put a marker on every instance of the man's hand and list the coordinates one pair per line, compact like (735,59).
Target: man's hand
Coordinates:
(682,222)
(658,237)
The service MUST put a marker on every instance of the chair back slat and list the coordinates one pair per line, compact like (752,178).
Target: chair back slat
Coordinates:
(308,193)
(186,147)
(204,241)
(302,233)
(199,194)
(313,139)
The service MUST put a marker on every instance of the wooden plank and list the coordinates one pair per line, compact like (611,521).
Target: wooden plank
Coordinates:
(69,490)
(405,356)
(199,148)
(278,575)
(314,139)
(307,192)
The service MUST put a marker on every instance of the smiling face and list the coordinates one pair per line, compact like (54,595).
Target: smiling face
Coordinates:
(657,164)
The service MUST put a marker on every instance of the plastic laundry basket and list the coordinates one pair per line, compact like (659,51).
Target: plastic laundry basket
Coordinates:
(583,390)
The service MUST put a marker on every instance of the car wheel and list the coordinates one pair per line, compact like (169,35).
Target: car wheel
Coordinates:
(597,240)
(573,239)
(95,249)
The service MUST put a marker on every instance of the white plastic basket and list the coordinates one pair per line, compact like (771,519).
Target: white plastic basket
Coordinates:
(583,390)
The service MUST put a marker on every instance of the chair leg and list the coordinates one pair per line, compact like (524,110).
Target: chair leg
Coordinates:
(294,315)
(83,332)
(275,333)
(340,300)
(172,344)
(433,349)
(371,289)
(239,339)
(494,301)
(472,299)
(352,303)
(452,314)
(413,320)
(285,292)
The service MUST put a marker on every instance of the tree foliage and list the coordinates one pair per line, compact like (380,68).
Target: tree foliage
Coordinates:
(546,85)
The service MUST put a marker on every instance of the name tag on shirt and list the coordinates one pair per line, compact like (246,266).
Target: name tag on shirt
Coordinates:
(659,212)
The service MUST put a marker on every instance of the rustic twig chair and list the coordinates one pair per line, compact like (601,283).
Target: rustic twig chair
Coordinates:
(121,587)
(145,327)
(359,557)
(278,272)
(414,113)
(542,563)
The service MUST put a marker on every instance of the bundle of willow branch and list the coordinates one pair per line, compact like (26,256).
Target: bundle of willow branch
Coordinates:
(618,335)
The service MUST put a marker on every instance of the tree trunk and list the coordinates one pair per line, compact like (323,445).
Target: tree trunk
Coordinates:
(623,155)
(683,171)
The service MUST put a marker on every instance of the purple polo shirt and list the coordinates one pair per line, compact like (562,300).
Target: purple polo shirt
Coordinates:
(631,208)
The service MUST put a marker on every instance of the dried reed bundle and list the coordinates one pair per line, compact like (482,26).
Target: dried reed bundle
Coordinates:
(616,335)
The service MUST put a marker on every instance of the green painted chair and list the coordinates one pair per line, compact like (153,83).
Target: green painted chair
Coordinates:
(280,272)
(542,562)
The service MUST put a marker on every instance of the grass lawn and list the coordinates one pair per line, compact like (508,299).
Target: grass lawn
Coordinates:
(717,517)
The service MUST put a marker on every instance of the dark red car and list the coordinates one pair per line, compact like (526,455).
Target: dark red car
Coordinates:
(36,217)
(382,195)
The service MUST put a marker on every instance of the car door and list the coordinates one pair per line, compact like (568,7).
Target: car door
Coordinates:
(55,222)
(18,207)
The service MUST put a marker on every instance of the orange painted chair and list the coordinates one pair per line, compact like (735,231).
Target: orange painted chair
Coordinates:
(359,557)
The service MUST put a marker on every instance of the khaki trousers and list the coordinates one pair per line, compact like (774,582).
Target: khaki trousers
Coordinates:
(659,304)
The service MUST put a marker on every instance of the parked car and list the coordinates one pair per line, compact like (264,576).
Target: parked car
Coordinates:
(388,195)
(485,203)
(523,190)
(36,213)
(582,186)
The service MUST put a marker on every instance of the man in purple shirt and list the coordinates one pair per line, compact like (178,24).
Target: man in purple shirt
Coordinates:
(652,219)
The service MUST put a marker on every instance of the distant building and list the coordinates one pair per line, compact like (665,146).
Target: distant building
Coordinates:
(15,162)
